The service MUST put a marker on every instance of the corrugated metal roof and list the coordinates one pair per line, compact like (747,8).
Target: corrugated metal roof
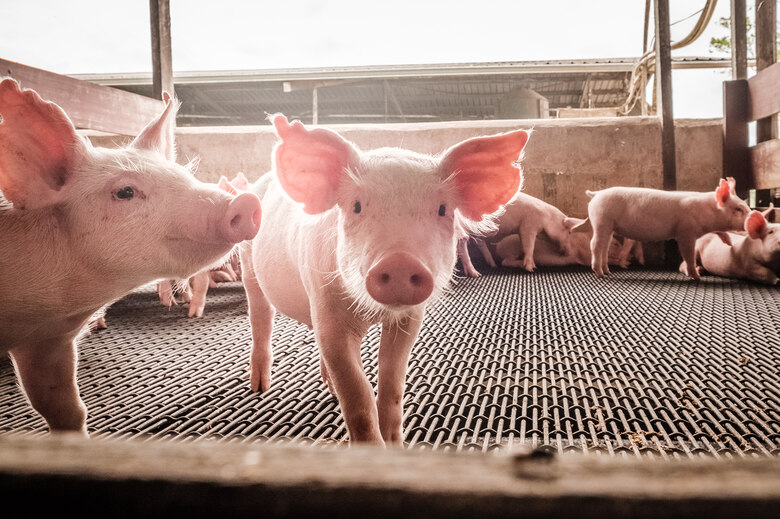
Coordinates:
(439,92)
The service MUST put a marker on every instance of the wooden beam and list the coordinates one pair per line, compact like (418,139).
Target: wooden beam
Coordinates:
(663,72)
(162,62)
(765,162)
(764,94)
(738,40)
(136,478)
(736,158)
(88,105)
(766,56)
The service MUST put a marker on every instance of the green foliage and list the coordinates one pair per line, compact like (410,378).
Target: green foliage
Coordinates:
(723,44)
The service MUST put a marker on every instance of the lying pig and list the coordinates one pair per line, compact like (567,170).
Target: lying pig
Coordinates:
(754,256)
(350,238)
(654,215)
(546,253)
(88,225)
(528,216)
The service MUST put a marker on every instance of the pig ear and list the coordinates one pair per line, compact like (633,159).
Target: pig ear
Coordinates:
(572,223)
(225,185)
(732,185)
(485,172)
(311,164)
(38,148)
(240,182)
(583,226)
(769,213)
(755,225)
(158,134)
(723,192)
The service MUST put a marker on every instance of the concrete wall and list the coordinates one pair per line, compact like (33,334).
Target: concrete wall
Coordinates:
(563,157)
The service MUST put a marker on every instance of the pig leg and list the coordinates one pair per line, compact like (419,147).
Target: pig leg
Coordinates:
(326,377)
(261,316)
(483,248)
(688,251)
(200,287)
(465,259)
(165,292)
(528,238)
(394,348)
(599,249)
(762,274)
(48,376)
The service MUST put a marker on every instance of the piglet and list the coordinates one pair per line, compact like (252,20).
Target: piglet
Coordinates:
(194,289)
(350,238)
(546,253)
(754,256)
(654,215)
(88,225)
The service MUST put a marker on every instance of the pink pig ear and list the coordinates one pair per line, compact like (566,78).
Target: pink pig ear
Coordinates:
(38,148)
(723,192)
(158,134)
(240,182)
(225,185)
(755,225)
(311,164)
(485,172)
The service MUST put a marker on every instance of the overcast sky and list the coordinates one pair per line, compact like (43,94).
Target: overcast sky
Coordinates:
(85,36)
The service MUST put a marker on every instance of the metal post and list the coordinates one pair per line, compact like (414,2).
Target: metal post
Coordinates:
(766,55)
(663,72)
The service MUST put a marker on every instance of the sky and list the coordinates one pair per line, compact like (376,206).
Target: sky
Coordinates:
(99,36)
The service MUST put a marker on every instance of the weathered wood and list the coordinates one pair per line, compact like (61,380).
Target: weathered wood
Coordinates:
(88,105)
(766,56)
(663,71)
(162,61)
(765,162)
(736,160)
(207,479)
(738,40)
(764,94)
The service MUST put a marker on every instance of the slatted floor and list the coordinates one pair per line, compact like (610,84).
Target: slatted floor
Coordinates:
(644,364)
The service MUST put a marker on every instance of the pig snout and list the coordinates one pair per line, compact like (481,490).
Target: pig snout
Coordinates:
(242,218)
(399,279)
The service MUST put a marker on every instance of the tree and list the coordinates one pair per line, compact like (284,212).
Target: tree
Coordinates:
(723,44)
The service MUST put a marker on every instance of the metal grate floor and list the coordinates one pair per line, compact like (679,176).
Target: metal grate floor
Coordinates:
(643,364)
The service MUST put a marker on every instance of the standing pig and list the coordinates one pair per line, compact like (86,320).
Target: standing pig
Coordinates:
(644,214)
(528,216)
(754,256)
(86,226)
(352,238)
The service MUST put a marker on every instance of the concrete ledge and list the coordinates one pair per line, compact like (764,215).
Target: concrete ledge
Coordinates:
(152,478)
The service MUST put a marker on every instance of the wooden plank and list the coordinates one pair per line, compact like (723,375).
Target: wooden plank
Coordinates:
(88,105)
(736,161)
(663,72)
(764,93)
(141,478)
(738,39)
(766,56)
(765,162)
(162,61)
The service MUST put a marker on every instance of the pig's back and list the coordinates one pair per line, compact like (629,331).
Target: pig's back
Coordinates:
(642,214)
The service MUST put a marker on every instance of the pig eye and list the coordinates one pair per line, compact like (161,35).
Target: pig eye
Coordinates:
(126,193)
(357,207)
(442,210)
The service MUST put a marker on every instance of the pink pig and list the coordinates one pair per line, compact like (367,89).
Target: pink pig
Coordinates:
(754,256)
(654,215)
(547,253)
(88,225)
(350,238)
(194,289)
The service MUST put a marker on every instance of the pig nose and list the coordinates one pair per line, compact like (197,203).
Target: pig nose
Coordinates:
(242,218)
(399,279)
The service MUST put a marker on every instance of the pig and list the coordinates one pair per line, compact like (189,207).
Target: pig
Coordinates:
(86,226)
(645,214)
(754,255)
(546,253)
(528,216)
(194,289)
(350,238)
